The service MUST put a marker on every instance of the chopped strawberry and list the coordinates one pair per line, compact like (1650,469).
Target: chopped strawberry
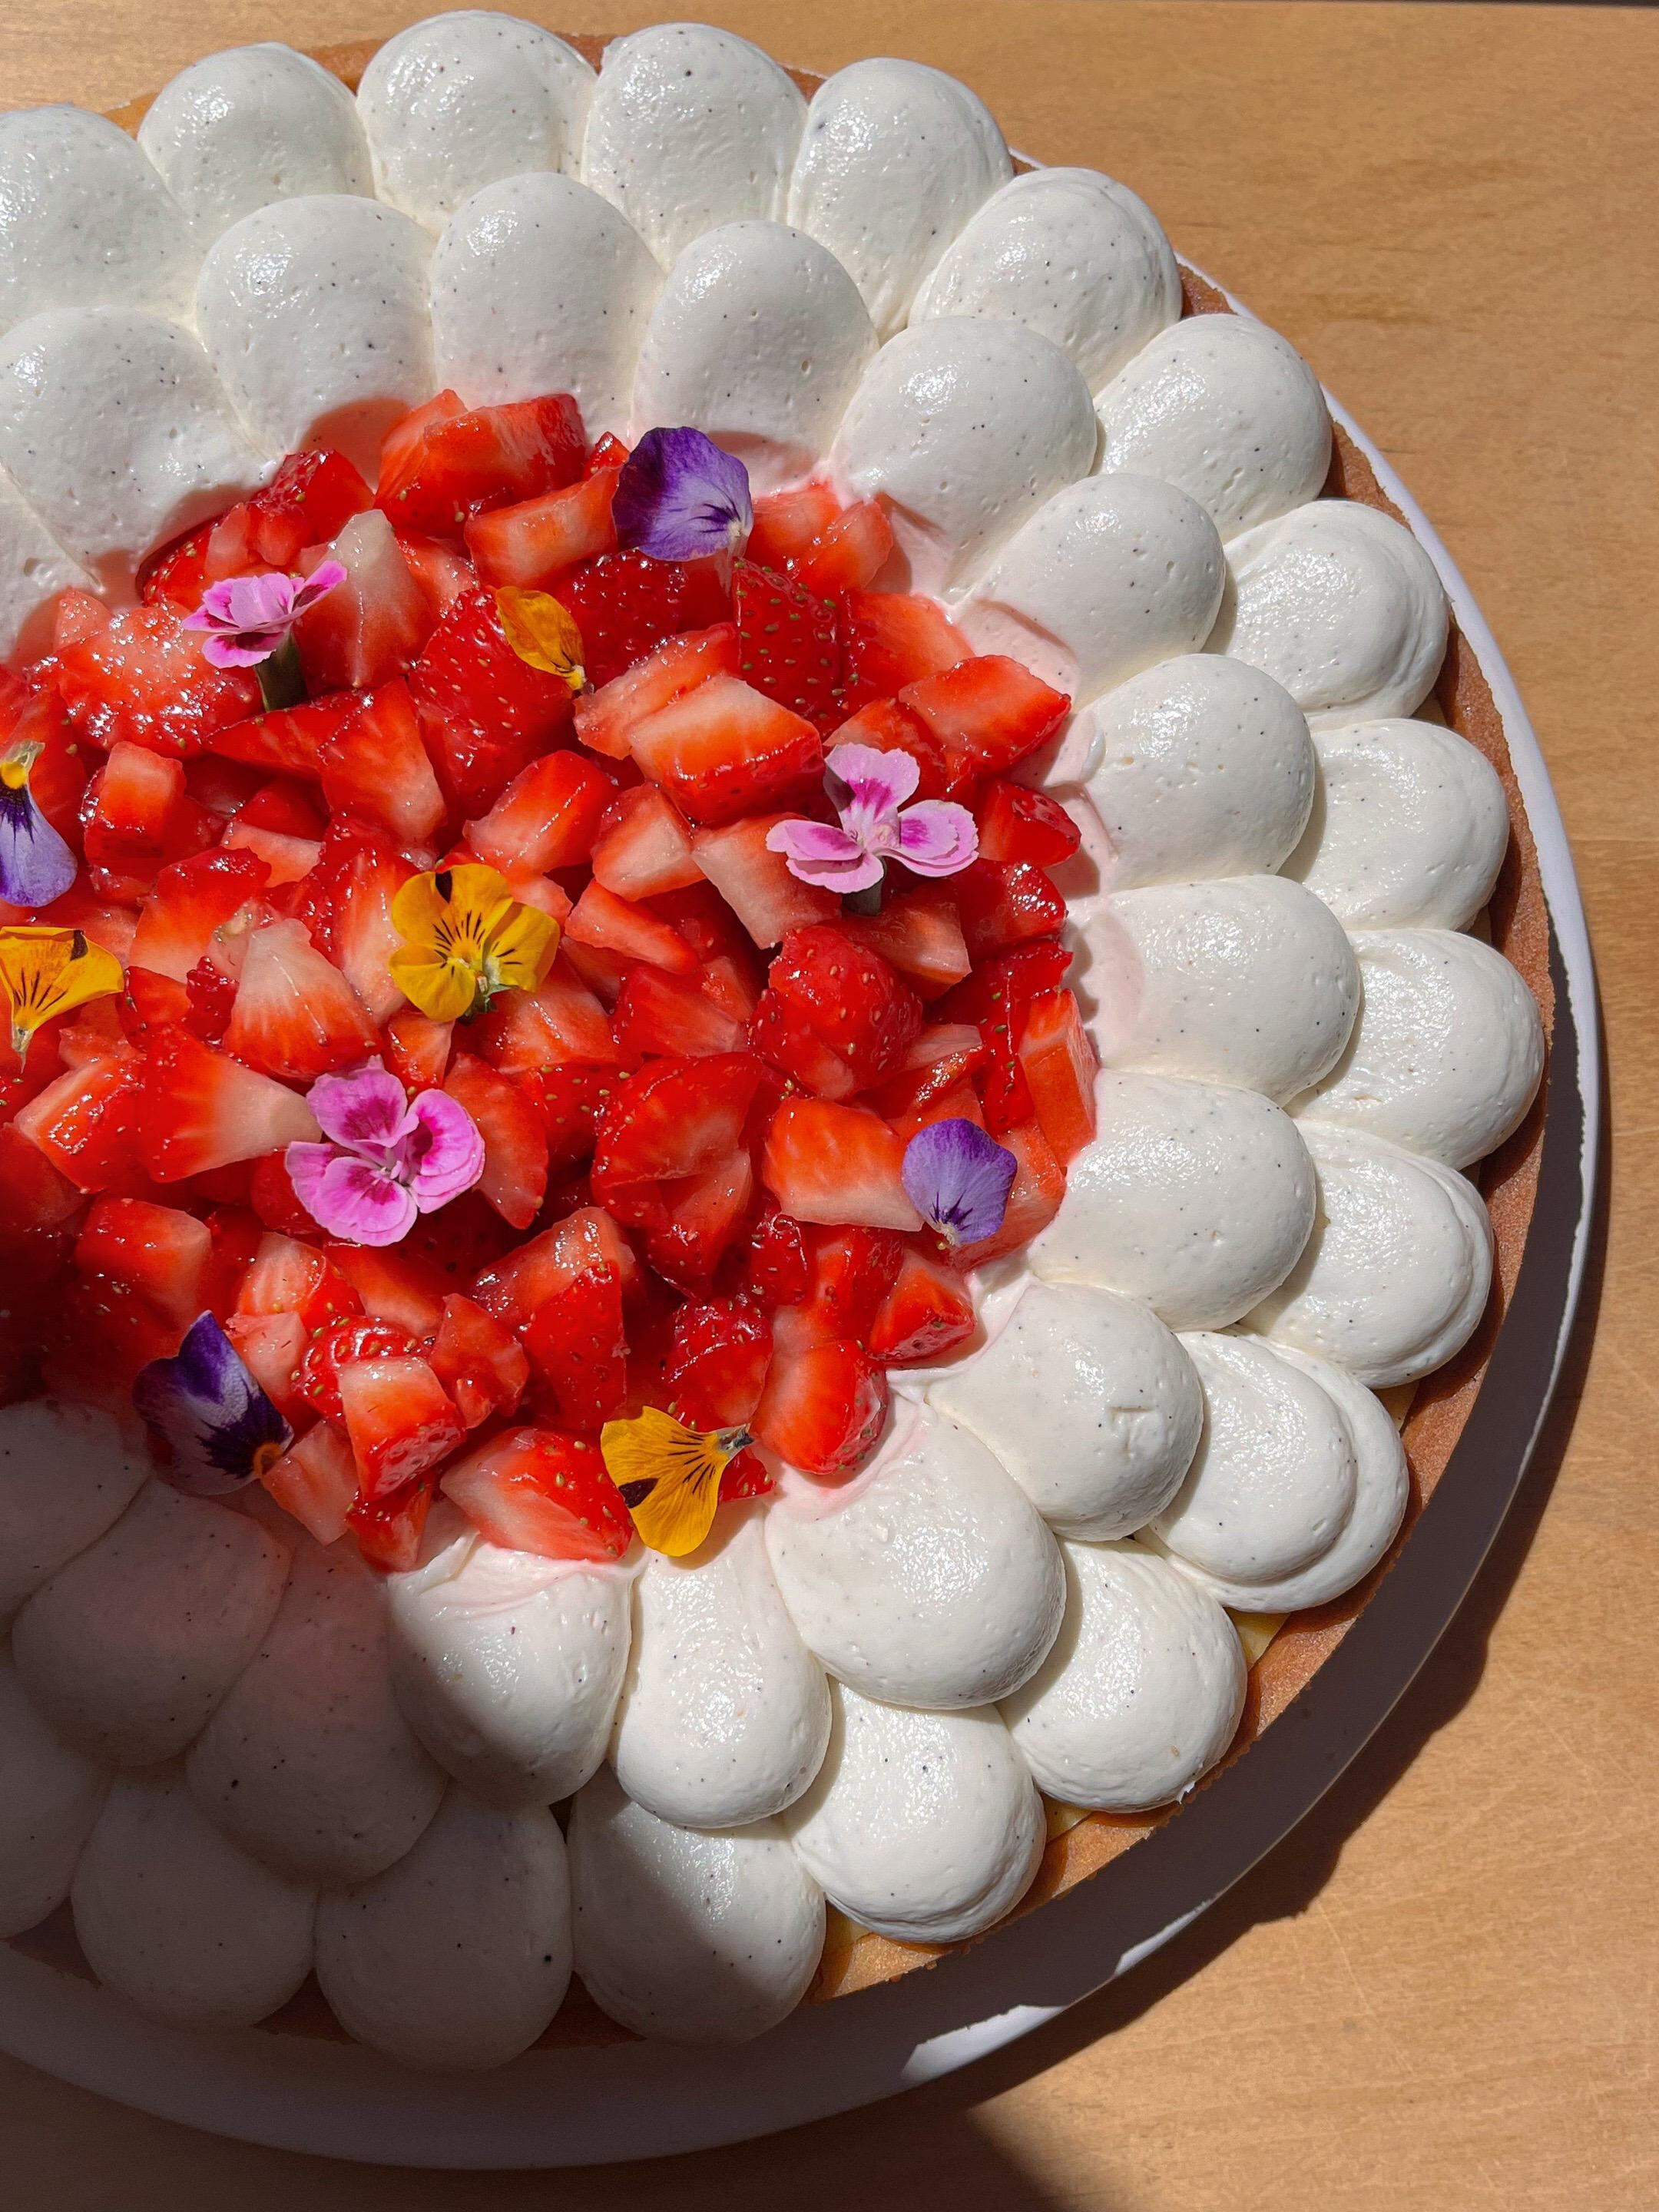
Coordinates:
(482,1365)
(546,818)
(533,1490)
(600,972)
(308,502)
(728,982)
(94,1339)
(366,937)
(389,1529)
(1002,904)
(437,474)
(84,1123)
(825,1161)
(578,1348)
(927,1313)
(919,932)
(1034,1198)
(534,542)
(755,882)
(790,639)
(399,1419)
(778,1269)
(611,924)
(271,1347)
(706,1213)
(716,1370)
(663,1013)
(1017,824)
(643,847)
(823,1408)
(890,640)
(417,1049)
(295,1015)
(441,573)
(625,605)
(849,1273)
(290,739)
(514,1179)
(1059,1065)
(336,1345)
(135,816)
(401,447)
(372,625)
(571,1099)
(151,1002)
(33,1195)
(286,860)
(470,673)
(939,1064)
(271,1193)
(853,1000)
(787,522)
(154,1249)
(175,576)
(376,767)
(199,1110)
(525,1031)
(996,998)
(785,1036)
(392,1286)
(286,804)
(726,750)
(142,677)
(676,1117)
(850,553)
(990,710)
(288,1277)
(316,1482)
(606,718)
(526,1279)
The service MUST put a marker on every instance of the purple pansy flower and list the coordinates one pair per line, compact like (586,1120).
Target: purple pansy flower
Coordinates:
(36,865)
(222,1428)
(958,1179)
(247,618)
(679,497)
(868,789)
(388,1159)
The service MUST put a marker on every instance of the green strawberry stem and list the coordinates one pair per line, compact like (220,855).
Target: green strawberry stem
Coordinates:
(282,679)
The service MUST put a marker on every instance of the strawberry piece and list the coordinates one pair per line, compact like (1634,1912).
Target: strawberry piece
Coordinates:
(84,1123)
(514,1179)
(602,920)
(546,818)
(155,1250)
(716,1369)
(825,1161)
(663,1013)
(778,1268)
(577,1345)
(336,1345)
(744,1477)
(755,882)
(533,1490)
(995,998)
(308,502)
(141,677)
(288,1277)
(470,673)
(729,983)
(571,1099)
(823,1408)
(372,625)
(136,815)
(918,932)
(534,542)
(849,1274)
(315,1481)
(365,937)
(785,1036)
(33,1196)
(295,1015)
(389,1529)
(676,1117)
(889,640)
(397,1287)
(287,804)
(441,573)
(59,775)
(1004,903)
(990,709)
(525,1031)
(150,1002)
(271,1193)
(417,1049)
(95,1338)
(643,847)
(850,552)
(853,1000)
(526,1279)
(271,1347)
(1060,1064)
(626,605)
(400,1420)
(706,1215)
(1034,1197)
(726,750)
(939,1065)
(787,522)
(43,1063)
(289,740)
(199,1110)
(175,576)
(286,860)
(928,1312)
(437,474)
(606,718)
(401,447)
(1017,824)
(790,639)
(376,767)
(482,1366)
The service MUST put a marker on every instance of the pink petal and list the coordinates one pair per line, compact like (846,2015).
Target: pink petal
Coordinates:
(241,603)
(241,649)
(361,1203)
(445,1148)
(306,1164)
(937,838)
(323,578)
(817,852)
(868,788)
(365,1108)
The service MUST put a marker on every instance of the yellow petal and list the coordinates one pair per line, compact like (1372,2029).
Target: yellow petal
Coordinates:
(669,1476)
(477,901)
(542,632)
(444,990)
(417,912)
(17,762)
(521,948)
(46,972)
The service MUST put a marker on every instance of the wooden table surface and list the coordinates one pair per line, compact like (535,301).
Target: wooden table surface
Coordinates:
(1438,1992)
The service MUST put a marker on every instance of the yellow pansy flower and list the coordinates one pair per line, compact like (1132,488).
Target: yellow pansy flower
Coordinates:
(542,632)
(465,938)
(45,972)
(670,1475)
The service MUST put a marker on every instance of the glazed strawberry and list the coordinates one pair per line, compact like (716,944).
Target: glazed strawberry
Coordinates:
(726,750)
(365,936)
(990,709)
(995,999)
(919,932)
(534,1490)
(198,1109)
(284,803)
(578,1348)
(927,1313)
(334,1346)
(533,543)
(1002,904)
(517,1284)
(777,1268)
(790,639)
(1017,824)
(442,573)
(1060,1065)
(417,1049)
(295,1015)
(308,502)
(787,522)
(287,859)
(728,981)
(823,1407)
(514,1180)
(676,1117)
(400,1420)
(613,925)
(1033,1200)
(605,718)
(372,625)
(716,1369)
(289,740)
(389,1529)
(391,1284)
(33,1196)
(829,1162)
(570,1099)
(547,818)
(532,1032)
(319,900)
(706,1213)
(175,576)
(849,1274)
(271,1194)
(137,815)
(375,766)
(755,882)
(889,640)
(784,1036)
(85,1123)
(141,675)
(288,1277)
(662,1013)
(271,1347)
(470,673)
(481,1365)
(939,1064)
(155,1250)
(94,1339)
(59,775)
(461,462)
(850,552)
(316,1482)
(643,845)
(853,1000)
(625,606)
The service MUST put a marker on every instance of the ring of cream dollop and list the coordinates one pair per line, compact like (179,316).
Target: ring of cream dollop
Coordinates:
(1167,1416)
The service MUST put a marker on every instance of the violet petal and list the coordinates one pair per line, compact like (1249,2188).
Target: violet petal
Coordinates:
(36,865)
(959,1178)
(452,1159)
(937,838)
(679,497)
(221,1426)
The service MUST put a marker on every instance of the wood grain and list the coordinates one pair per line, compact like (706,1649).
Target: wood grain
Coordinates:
(1450,212)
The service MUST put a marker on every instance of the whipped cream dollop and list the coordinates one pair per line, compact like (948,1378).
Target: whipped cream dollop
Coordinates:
(238,129)
(67,1472)
(50,1794)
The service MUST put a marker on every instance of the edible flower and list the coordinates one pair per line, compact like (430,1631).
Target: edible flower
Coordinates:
(679,498)
(669,1476)
(868,790)
(45,972)
(465,938)
(223,1429)
(387,1159)
(36,865)
(958,1179)
(247,618)
(542,632)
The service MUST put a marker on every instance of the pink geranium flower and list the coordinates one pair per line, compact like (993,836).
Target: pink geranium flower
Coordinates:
(868,790)
(247,618)
(388,1158)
